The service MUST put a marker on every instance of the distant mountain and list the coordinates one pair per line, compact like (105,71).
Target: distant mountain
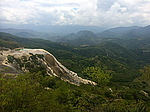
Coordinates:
(15,31)
(81,38)
(81,34)
(30,33)
(144,30)
(126,32)
(86,38)
(119,35)
(109,49)
(35,90)
(107,55)
(22,32)
(70,36)
(26,35)
(30,42)
(133,34)
(86,34)
(107,34)
(122,30)
(117,32)
(137,33)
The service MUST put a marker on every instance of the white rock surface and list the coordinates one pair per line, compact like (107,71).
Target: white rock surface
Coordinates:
(53,66)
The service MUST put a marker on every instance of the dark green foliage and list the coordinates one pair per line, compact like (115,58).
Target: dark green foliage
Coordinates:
(37,92)
(40,56)
(122,62)
(7,42)
(26,94)
(10,59)
(138,108)
(33,43)
(97,75)
(32,63)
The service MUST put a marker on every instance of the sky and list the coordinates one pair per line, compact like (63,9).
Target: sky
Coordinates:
(102,13)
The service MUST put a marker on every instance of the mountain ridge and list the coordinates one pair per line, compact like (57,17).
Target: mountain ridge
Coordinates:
(106,54)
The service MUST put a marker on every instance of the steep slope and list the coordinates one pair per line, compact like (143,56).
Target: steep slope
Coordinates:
(23,60)
(7,42)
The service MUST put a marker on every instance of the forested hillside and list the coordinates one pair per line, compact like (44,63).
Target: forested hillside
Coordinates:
(122,76)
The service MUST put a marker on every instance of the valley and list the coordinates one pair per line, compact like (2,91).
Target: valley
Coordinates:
(91,74)
(74,56)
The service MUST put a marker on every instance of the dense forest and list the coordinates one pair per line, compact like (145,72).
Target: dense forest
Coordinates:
(122,75)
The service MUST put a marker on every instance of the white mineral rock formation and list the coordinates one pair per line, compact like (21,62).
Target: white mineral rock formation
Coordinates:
(53,67)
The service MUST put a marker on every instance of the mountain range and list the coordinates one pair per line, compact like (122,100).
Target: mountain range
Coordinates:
(118,35)
(26,33)
(119,67)
(118,32)
(106,53)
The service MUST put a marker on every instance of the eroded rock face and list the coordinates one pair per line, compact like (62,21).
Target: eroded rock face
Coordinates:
(40,57)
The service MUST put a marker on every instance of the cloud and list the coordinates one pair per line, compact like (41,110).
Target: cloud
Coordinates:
(17,12)
(110,13)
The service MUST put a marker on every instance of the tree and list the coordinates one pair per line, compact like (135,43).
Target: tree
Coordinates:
(145,73)
(97,75)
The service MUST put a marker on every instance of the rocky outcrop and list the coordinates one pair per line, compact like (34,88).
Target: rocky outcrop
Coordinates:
(52,65)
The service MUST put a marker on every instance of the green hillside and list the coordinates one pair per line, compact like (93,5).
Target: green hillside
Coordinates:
(124,63)
(122,76)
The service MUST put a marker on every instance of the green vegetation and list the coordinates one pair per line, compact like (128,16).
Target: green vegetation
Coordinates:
(32,64)
(35,92)
(97,75)
(123,77)
(10,58)
(8,43)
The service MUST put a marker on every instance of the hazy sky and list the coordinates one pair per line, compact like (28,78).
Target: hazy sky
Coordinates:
(108,13)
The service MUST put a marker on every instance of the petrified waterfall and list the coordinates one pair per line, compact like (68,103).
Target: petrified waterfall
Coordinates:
(52,65)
